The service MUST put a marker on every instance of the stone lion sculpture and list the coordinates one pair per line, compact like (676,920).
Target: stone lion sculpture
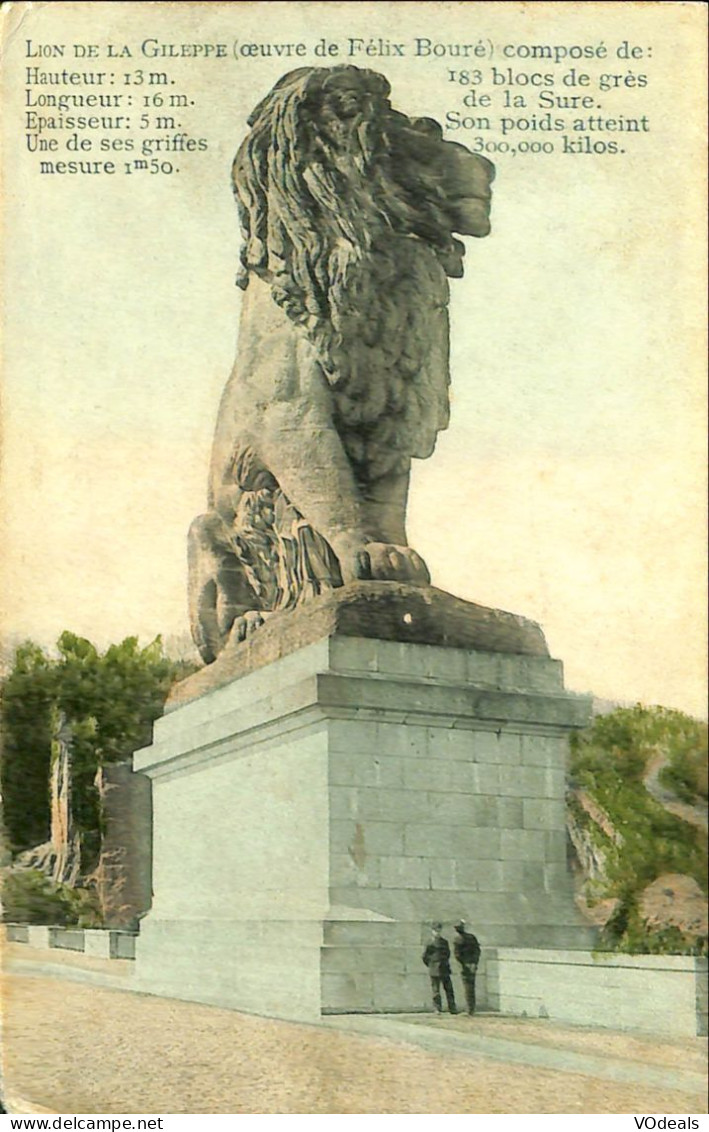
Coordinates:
(348,210)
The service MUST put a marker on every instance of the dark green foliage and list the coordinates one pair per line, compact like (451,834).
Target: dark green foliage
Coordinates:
(609,760)
(109,700)
(29,897)
(27,700)
(688,770)
(123,690)
(626,931)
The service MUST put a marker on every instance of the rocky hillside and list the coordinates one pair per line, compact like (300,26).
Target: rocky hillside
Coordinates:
(637,821)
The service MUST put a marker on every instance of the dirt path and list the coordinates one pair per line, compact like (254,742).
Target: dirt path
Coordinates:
(77,1049)
(695,815)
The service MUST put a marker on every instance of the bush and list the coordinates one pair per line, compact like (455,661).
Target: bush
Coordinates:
(687,771)
(30,897)
(626,931)
(609,761)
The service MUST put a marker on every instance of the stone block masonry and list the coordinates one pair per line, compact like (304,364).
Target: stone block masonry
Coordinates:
(312,818)
(659,994)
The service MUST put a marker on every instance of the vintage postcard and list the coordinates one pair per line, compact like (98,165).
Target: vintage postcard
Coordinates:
(447,510)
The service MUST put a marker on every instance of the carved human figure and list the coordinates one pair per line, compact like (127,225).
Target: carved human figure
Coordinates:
(348,210)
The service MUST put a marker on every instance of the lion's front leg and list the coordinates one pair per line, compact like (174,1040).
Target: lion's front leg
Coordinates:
(364,524)
(384,512)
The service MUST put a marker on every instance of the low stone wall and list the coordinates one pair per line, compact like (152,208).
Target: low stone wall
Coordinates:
(660,994)
(99,943)
(67,939)
(17,933)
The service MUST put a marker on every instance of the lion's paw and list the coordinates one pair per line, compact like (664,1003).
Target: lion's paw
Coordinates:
(390,563)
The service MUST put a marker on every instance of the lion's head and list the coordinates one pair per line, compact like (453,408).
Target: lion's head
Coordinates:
(336,192)
(328,166)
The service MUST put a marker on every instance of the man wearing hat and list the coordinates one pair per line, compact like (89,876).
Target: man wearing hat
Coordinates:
(467,952)
(437,958)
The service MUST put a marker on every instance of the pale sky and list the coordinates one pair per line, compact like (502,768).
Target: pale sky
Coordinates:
(569,486)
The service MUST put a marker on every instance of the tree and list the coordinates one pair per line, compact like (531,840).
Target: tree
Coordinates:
(28,695)
(110,701)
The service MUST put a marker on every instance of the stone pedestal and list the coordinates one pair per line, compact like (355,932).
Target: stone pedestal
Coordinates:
(312,817)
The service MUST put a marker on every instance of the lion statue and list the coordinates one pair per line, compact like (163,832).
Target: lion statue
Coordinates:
(348,210)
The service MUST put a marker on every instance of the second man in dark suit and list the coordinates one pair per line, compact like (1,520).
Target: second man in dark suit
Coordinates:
(467,952)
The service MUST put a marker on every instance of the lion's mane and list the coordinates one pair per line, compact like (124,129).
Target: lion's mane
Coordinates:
(344,208)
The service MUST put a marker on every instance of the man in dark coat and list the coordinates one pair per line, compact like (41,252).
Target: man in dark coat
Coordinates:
(467,952)
(437,958)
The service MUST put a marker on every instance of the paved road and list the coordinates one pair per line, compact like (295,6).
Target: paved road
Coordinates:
(74,1048)
(479,1040)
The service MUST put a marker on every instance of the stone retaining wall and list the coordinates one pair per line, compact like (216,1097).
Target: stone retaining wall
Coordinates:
(99,943)
(660,994)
